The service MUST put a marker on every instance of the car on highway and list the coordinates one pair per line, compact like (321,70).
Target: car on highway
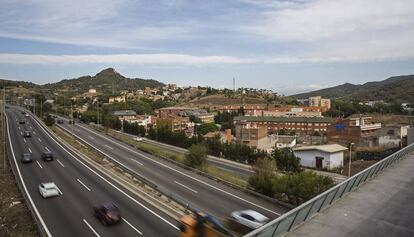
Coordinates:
(60,121)
(27,134)
(107,213)
(26,158)
(249,218)
(23,112)
(49,190)
(27,115)
(138,139)
(47,156)
(22,121)
(7,107)
(71,121)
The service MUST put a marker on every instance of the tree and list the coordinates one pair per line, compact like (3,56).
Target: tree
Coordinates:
(206,128)
(286,160)
(49,120)
(297,188)
(197,156)
(261,180)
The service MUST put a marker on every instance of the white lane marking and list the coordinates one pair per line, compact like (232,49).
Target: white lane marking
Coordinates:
(29,150)
(60,163)
(24,139)
(137,162)
(83,185)
(39,164)
(133,227)
(109,147)
(182,185)
(182,173)
(34,132)
(23,183)
(19,128)
(108,182)
(21,133)
(91,137)
(47,149)
(40,140)
(60,192)
(90,227)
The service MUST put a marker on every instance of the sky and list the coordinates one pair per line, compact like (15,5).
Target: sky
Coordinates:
(289,46)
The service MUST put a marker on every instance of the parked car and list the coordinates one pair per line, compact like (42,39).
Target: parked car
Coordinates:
(47,156)
(107,213)
(22,121)
(27,134)
(49,190)
(60,121)
(250,218)
(26,158)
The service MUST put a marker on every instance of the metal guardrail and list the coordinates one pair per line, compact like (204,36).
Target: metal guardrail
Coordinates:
(309,209)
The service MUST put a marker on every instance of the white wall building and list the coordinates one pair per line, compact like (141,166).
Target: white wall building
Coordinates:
(328,156)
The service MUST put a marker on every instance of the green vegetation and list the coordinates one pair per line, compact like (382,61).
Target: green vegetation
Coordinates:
(346,108)
(295,187)
(206,128)
(49,120)
(394,90)
(197,156)
(286,160)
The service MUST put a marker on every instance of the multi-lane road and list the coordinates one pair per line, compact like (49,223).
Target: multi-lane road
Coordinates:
(198,191)
(82,187)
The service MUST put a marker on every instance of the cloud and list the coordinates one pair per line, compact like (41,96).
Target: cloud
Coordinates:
(121,59)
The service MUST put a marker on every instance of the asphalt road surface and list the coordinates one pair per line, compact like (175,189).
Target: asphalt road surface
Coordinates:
(82,187)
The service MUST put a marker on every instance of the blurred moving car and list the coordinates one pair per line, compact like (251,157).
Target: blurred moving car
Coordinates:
(49,190)
(138,139)
(71,121)
(47,156)
(27,134)
(249,218)
(26,158)
(107,213)
(22,121)
(60,121)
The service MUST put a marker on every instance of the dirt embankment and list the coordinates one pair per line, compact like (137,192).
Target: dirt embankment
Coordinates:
(15,218)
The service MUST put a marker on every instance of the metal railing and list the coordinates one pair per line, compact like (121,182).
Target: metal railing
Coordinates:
(309,209)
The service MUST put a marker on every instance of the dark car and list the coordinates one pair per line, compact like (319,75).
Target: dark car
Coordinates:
(27,134)
(107,213)
(47,156)
(26,158)
(22,121)
(7,107)
(71,121)
(23,112)
(60,121)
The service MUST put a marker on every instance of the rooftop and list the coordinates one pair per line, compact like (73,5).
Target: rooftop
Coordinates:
(285,119)
(124,113)
(330,148)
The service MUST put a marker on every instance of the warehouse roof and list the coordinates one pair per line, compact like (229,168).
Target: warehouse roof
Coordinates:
(330,148)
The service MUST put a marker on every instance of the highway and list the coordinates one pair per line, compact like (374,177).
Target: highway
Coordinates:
(198,191)
(231,166)
(82,187)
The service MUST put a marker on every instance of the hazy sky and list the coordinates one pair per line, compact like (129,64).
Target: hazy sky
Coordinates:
(289,46)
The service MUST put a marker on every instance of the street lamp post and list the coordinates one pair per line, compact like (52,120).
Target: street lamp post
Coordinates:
(350,158)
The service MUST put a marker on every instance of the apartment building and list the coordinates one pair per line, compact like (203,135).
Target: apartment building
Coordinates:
(319,101)
(254,136)
(119,99)
(251,110)
(300,125)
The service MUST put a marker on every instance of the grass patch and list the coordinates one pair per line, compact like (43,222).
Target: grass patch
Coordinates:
(178,157)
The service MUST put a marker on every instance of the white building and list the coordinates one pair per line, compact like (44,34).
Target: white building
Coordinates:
(328,156)
(92,91)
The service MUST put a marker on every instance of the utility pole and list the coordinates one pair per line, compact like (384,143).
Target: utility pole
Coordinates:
(97,105)
(3,124)
(73,121)
(350,158)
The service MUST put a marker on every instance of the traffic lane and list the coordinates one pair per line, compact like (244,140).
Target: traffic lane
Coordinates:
(150,222)
(50,208)
(231,199)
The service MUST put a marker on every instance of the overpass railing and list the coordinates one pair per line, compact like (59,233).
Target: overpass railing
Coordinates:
(309,209)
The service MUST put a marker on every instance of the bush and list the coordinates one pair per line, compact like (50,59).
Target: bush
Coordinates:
(49,120)
(297,188)
(197,156)
(286,160)
(261,180)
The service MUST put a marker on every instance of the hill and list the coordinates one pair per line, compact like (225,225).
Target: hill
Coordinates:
(398,89)
(106,81)
(10,83)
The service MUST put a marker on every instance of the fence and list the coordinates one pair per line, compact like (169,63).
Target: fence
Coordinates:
(307,210)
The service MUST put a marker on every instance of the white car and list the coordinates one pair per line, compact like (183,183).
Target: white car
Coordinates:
(49,190)
(250,218)
(138,139)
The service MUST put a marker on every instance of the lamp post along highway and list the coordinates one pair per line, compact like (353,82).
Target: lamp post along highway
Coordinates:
(350,158)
